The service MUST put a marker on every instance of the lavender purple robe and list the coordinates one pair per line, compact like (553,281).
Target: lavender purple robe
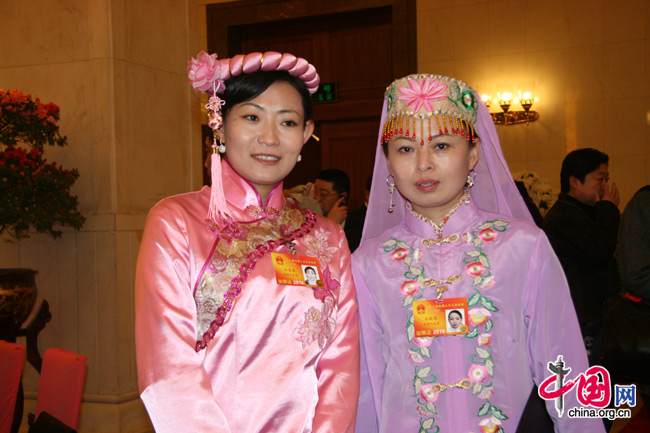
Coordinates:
(521,318)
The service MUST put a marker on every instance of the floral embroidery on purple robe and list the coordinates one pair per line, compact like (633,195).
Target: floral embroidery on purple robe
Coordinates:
(477,266)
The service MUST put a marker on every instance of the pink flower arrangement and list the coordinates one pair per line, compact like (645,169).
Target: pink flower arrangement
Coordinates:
(477,373)
(204,72)
(33,192)
(428,392)
(487,235)
(478,316)
(399,254)
(30,121)
(475,269)
(409,288)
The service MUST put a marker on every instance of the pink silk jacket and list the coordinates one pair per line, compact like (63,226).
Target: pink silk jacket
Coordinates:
(286,358)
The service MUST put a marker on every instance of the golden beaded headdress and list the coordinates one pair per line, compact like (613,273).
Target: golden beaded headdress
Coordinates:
(447,104)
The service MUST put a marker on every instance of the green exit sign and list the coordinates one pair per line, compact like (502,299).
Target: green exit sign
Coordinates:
(325,93)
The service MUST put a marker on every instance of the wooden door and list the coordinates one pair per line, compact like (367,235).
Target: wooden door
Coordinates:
(352,48)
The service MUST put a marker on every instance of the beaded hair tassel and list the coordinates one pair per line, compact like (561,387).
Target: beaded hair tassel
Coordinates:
(215,122)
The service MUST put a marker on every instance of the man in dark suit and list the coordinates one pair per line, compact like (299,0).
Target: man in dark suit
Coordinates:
(582,227)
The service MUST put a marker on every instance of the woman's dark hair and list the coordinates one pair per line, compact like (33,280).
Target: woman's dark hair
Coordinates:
(579,164)
(455,311)
(245,87)
(309,267)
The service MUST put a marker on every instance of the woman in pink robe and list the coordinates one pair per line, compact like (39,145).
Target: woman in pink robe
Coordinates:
(449,233)
(227,339)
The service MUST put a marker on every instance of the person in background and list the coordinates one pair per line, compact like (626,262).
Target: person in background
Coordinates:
(582,226)
(221,345)
(530,204)
(447,228)
(354,222)
(633,257)
(332,190)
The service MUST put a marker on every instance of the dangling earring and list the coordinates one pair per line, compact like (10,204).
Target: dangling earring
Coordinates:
(222,144)
(299,157)
(470,179)
(391,190)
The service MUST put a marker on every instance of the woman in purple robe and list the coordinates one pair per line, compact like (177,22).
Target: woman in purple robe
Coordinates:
(449,230)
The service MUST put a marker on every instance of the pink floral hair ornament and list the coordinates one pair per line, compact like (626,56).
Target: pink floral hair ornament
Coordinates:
(208,74)
(442,104)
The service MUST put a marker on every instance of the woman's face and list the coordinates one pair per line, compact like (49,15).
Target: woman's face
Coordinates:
(432,176)
(311,274)
(265,135)
(455,320)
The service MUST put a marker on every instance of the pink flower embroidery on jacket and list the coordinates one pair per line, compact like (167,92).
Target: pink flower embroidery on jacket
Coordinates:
(318,325)
(418,95)
(318,246)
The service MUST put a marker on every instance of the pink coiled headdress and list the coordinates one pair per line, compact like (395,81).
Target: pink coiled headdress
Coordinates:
(207,74)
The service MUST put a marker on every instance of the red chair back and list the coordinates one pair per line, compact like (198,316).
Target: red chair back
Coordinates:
(12,359)
(60,386)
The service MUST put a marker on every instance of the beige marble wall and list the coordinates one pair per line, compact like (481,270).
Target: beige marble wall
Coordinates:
(588,61)
(117,70)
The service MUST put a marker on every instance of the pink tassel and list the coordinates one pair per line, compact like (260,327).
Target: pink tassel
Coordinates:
(218,209)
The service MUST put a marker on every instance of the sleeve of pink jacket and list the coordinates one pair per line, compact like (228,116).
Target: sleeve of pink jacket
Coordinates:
(174,386)
(338,368)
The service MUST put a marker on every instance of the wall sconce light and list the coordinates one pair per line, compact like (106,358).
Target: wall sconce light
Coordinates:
(511,117)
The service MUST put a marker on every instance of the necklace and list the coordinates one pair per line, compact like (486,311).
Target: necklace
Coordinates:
(464,199)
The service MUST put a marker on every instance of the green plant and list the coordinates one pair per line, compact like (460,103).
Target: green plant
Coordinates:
(33,192)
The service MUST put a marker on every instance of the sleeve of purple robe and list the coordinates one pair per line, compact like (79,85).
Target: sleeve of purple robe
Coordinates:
(372,371)
(553,330)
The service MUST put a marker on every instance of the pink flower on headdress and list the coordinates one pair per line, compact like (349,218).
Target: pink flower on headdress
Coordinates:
(418,94)
(204,71)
